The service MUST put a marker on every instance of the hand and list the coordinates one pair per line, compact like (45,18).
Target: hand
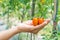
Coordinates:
(28,27)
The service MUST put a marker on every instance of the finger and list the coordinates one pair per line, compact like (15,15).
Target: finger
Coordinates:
(43,24)
(36,31)
(39,27)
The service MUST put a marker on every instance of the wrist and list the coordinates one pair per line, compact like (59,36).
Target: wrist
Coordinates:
(16,30)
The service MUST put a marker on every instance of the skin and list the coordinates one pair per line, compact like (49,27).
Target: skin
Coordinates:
(23,27)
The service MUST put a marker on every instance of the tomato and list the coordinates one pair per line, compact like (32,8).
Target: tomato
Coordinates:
(40,20)
(35,21)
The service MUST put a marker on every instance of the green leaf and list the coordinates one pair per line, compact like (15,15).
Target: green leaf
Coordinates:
(24,1)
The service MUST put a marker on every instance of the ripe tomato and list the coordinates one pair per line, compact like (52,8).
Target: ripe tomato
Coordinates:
(40,20)
(35,21)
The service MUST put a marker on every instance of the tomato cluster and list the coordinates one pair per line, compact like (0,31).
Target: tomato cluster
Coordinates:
(37,21)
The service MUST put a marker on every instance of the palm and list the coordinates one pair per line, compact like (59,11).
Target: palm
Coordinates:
(28,27)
